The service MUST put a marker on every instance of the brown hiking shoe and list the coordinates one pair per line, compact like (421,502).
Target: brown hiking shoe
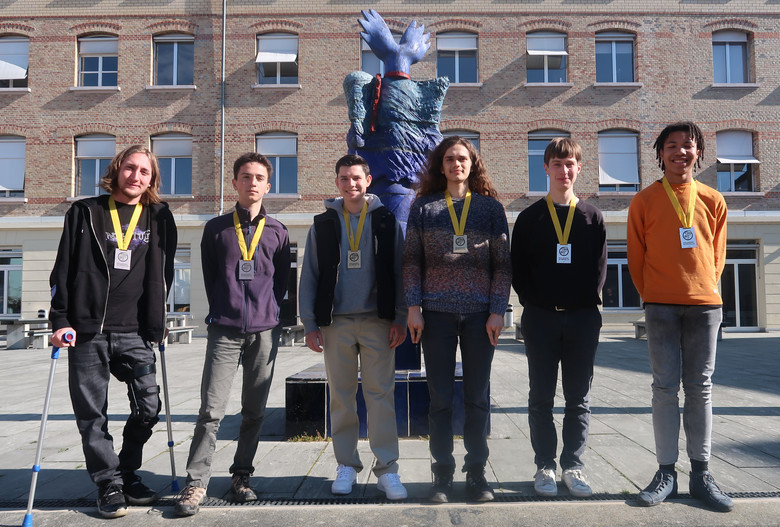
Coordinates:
(189,501)
(242,491)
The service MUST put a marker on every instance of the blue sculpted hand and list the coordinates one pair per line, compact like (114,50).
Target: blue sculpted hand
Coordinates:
(378,36)
(415,42)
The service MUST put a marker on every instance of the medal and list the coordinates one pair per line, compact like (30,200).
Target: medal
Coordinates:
(122,256)
(562,249)
(246,266)
(687,232)
(122,259)
(459,239)
(354,260)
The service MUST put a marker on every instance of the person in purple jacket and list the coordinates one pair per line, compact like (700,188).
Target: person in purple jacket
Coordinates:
(246,262)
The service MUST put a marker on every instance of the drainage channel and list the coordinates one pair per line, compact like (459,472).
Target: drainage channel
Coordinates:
(271,502)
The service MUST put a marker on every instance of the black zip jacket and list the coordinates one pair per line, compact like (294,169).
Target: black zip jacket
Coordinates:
(80,278)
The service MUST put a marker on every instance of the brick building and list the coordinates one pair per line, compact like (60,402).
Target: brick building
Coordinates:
(82,79)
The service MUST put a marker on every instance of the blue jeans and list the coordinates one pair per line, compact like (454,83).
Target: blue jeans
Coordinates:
(226,349)
(682,341)
(440,338)
(90,365)
(570,338)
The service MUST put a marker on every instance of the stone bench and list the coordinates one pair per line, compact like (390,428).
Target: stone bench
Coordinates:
(182,334)
(292,334)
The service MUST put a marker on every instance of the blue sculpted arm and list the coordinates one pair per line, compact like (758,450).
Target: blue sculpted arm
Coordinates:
(414,43)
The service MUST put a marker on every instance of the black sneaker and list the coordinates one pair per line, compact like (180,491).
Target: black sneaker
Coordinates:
(702,486)
(441,488)
(136,493)
(242,490)
(477,487)
(664,485)
(111,501)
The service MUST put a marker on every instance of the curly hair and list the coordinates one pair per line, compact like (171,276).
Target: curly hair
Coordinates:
(152,194)
(690,128)
(432,179)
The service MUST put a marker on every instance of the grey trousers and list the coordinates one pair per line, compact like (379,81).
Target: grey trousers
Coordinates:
(226,349)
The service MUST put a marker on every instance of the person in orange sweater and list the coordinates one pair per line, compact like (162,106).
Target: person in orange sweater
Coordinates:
(676,253)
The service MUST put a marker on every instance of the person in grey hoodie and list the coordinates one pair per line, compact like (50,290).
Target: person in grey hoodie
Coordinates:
(352,309)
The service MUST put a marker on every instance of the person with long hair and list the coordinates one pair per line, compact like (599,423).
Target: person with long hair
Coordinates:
(457,274)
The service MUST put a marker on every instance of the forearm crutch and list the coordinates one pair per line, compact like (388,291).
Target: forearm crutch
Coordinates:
(174,481)
(55,354)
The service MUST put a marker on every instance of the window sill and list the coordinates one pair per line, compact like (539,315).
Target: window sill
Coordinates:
(736,85)
(15,90)
(741,194)
(289,87)
(177,197)
(549,84)
(95,89)
(465,85)
(615,193)
(273,196)
(536,193)
(617,84)
(171,87)
(4,199)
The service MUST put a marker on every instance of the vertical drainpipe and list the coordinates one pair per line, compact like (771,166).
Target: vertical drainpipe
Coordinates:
(222,116)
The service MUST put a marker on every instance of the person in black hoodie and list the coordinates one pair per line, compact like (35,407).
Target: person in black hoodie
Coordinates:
(109,284)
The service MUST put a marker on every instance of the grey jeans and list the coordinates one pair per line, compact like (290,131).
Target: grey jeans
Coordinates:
(226,349)
(682,340)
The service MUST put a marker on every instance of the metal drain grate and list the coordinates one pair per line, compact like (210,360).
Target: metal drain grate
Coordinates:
(378,500)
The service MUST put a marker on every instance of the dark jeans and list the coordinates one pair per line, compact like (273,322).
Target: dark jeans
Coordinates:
(90,366)
(569,338)
(440,338)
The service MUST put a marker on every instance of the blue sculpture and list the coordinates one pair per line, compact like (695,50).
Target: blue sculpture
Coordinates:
(395,120)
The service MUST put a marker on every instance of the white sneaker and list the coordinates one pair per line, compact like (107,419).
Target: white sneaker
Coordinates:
(345,478)
(390,484)
(576,483)
(544,482)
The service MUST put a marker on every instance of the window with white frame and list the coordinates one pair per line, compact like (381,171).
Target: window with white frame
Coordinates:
(369,62)
(93,155)
(546,62)
(456,57)
(179,295)
(174,56)
(12,161)
(14,61)
(730,57)
(174,153)
(618,161)
(735,161)
(281,149)
(619,291)
(98,61)
(465,134)
(614,57)
(277,58)
(537,143)
(10,281)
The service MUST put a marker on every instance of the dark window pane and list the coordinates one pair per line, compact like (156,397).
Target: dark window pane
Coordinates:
(183,175)
(537,177)
(468,66)
(109,79)
(719,62)
(14,292)
(370,63)
(267,73)
(624,57)
(87,168)
(630,294)
(166,168)
(728,296)
(737,63)
(184,72)
(724,177)
(604,62)
(110,63)
(748,304)
(288,72)
(535,68)
(288,175)
(165,64)
(445,65)
(90,63)
(556,66)
(610,295)
(743,177)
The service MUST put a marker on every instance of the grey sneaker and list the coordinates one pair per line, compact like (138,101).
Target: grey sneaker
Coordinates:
(189,500)
(242,490)
(664,485)
(544,482)
(702,486)
(575,482)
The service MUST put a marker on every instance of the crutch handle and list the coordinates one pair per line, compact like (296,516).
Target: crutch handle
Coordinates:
(67,337)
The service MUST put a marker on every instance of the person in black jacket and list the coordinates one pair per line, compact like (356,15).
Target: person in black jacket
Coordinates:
(109,285)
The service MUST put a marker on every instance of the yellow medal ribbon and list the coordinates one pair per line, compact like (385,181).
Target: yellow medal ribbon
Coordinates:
(122,242)
(247,256)
(459,226)
(354,241)
(685,219)
(563,237)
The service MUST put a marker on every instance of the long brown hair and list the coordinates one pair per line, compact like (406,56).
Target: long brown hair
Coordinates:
(152,194)
(432,179)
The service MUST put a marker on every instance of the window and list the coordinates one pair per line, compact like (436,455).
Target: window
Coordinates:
(14,59)
(277,58)
(735,161)
(456,57)
(729,57)
(179,295)
(619,291)
(10,282)
(369,62)
(465,134)
(614,57)
(618,161)
(537,143)
(546,57)
(12,149)
(281,149)
(173,60)
(739,285)
(174,153)
(93,155)
(98,61)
